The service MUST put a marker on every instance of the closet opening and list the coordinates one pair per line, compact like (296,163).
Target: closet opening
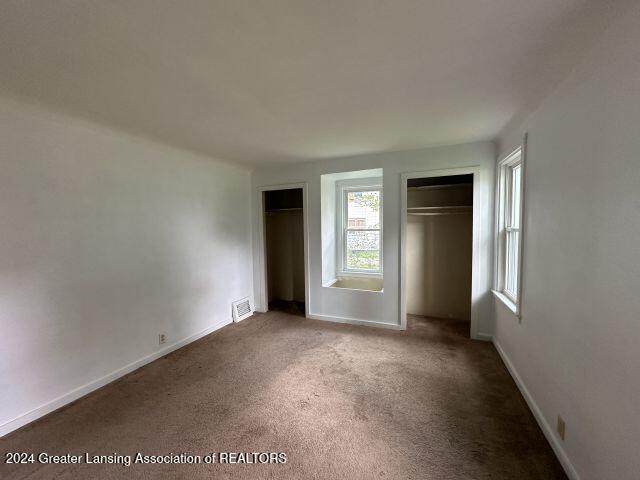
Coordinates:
(284,250)
(438,242)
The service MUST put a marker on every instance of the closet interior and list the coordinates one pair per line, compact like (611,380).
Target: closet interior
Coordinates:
(439,246)
(284,234)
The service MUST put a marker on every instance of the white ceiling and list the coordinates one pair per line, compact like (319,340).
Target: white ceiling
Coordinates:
(265,82)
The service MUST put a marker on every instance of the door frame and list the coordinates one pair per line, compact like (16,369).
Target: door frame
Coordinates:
(263,300)
(478,208)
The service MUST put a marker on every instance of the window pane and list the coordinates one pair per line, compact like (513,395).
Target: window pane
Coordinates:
(514,221)
(363,209)
(363,250)
(511,261)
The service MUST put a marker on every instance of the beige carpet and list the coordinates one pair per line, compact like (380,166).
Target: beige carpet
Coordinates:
(341,402)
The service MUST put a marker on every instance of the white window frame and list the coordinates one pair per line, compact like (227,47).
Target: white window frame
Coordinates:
(343,187)
(504,196)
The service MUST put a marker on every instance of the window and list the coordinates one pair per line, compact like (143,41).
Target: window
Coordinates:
(509,225)
(360,235)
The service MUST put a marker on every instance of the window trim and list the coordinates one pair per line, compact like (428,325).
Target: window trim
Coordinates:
(503,204)
(343,187)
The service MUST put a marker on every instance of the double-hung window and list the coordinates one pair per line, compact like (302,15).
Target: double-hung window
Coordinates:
(360,227)
(509,226)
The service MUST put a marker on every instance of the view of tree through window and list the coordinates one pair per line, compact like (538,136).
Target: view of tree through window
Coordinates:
(363,231)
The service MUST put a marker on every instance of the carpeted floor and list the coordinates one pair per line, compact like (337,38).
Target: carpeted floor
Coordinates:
(343,402)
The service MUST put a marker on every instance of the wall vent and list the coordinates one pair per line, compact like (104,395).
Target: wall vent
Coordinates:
(241,309)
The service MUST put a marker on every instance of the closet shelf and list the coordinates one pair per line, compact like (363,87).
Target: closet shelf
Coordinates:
(283,210)
(442,210)
(438,187)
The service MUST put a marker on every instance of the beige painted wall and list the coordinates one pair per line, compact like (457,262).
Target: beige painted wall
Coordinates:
(439,258)
(285,255)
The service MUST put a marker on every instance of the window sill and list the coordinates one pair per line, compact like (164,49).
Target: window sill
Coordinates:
(347,274)
(357,283)
(507,301)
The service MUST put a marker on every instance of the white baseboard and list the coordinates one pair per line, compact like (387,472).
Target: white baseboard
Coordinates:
(355,321)
(79,392)
(537,413)
(485,337)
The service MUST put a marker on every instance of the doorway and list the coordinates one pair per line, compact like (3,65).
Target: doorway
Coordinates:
(439,238)
(284,253)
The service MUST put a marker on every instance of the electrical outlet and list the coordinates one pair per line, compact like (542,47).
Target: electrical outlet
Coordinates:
(561,427)
(162,338)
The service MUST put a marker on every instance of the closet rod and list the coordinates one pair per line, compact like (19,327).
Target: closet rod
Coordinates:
(435,187)
(428,214)
(283,209)
(443,207)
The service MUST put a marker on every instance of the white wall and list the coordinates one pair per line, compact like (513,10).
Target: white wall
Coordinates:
(381,307)
(577,350)
(107,240)
(328,228)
